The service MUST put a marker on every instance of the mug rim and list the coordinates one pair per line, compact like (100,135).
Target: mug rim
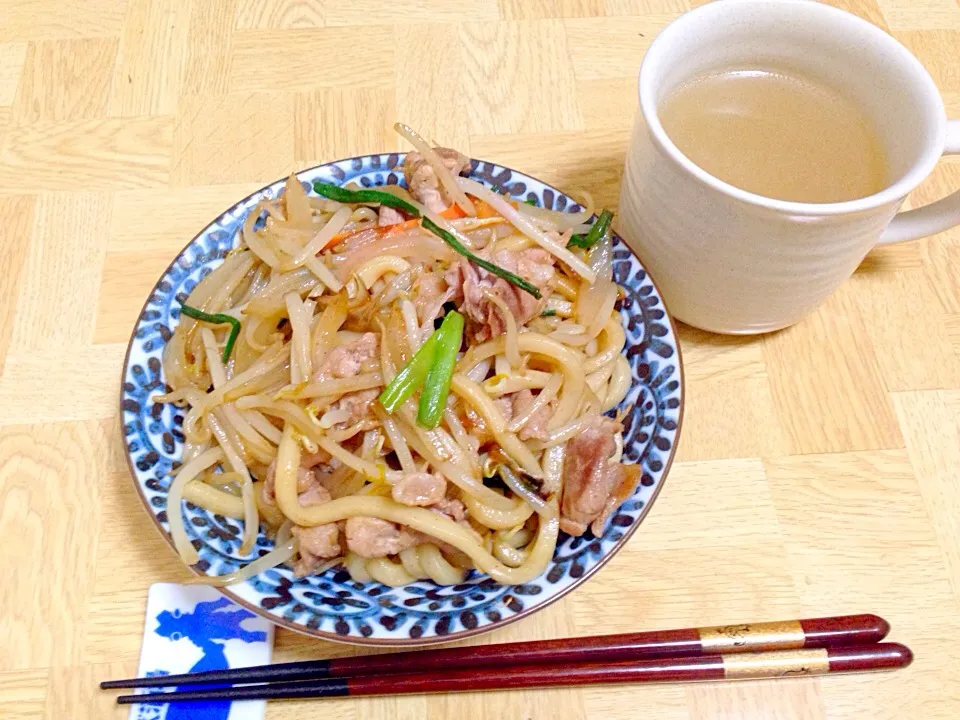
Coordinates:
(895,192)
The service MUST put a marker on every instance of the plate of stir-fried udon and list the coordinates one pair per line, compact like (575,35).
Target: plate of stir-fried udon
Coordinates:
(402,398)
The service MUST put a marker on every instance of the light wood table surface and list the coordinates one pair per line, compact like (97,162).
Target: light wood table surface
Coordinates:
(819,468)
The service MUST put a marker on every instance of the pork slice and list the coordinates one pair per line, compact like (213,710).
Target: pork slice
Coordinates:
(388,216)
(453,509)
(430,288)
(317,545)
(419,489)
(536,427)
(629,479)
(311,460)
(305,480)
(505,406)
(347,360)
(316,494)
(422,180)
(588,476)
(476,284)
(358,404)
(375,538)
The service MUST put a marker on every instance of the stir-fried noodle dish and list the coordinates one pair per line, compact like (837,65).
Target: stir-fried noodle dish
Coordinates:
(409,383)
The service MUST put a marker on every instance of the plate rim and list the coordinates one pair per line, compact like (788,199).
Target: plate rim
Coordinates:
(435,639)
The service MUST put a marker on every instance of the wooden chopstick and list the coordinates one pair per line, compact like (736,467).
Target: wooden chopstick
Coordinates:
(689,642)
(723,666)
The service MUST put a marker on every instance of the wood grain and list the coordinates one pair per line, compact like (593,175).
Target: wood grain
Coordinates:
(514,70)
(332,122)
(417,84)
(176,215)
(45,614)
(221,139)
(12,57)
(41,19)
(209,46)
(16,227)
(65,80)
(769,699)
(151,58)
(279,14)
(38,386)
(103,154)
(23,693)
(817,471)
(61,272)
(835,399)
(539,9)
(604,47)
(362,59)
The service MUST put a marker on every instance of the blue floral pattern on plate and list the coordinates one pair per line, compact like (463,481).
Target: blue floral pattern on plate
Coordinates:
(332,605)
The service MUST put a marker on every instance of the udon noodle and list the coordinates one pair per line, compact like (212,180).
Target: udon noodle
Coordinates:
(409,383)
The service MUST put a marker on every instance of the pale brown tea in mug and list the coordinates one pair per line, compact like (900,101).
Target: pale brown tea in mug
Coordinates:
(776,133)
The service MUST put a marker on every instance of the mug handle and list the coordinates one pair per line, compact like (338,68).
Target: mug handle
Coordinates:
(935,217)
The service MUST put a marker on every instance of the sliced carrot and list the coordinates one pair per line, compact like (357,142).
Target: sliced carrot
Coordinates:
(402,226)
(453,212)
(339,237)
(484,210)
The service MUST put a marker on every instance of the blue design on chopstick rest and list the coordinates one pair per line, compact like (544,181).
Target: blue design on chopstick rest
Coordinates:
(206,628)
(332,605)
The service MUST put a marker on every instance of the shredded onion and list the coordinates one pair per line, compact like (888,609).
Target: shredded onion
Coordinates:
(319,242)
(549,392)
(522,490)
(323,273)
(298,208)
(280,554)
(559,220)
(479,371)
(553,469)
(510,322)
(412,326)
(174,497)
(325,330)
(594,296)
(300,362)
(334,417)
(405,245)
(397,442)
(499,203)
(254,242)
(619,384)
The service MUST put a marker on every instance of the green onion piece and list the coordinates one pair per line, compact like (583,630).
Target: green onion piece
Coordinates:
(485,264)
(375,196)
(339,194)
(550,312)
(596,232)
(433,399)
(531,201)
(217,319)
(410,377)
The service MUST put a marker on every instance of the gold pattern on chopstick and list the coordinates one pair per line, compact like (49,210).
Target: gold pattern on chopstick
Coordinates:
(757,636)
(775,664)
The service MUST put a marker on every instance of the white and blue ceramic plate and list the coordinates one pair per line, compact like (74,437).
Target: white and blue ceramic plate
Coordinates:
(331,605)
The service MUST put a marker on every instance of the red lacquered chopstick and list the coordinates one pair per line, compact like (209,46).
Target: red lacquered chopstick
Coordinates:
(725,666)
(783,635)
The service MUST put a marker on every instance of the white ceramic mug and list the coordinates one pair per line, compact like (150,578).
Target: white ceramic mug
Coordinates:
(730,261)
